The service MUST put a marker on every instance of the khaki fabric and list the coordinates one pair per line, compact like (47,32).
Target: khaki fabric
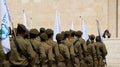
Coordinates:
(101,53)
(39,50)
(48,52)
(78,53)
(16,58)
(64,56)
(70,47)
(71,50)
(54,46)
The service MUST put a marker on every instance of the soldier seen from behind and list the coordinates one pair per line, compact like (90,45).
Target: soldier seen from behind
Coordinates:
(54,46)
(92,52)
(101,52)
(22,54)
(36,45)
(49,60)
(70,47)
(64,52)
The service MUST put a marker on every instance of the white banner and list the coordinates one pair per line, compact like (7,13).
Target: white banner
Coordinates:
(25,20)
(5,27)
(56,25)
(85,34)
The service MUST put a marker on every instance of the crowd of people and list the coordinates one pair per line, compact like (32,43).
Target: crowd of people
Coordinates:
(35,48)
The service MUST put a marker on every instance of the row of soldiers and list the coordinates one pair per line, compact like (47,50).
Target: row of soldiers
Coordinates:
(34,49)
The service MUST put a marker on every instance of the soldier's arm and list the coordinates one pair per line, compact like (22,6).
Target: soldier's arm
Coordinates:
(66,52)
(31,54)
(42,54)
(50,54)
(104,50)
(56,50)
(72,52)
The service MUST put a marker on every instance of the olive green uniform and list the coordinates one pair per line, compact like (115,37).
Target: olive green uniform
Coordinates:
(39,50)
(55,50)
(101,53)
(71,50)
(78,52)
(49,55)
(92,54)
(84,53)
(64,56)
(16,58)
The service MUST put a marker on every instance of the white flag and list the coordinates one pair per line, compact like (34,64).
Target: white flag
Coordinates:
(85,34)
(25,20)
(56,25)
(5,27)
(72,26)
(99,30)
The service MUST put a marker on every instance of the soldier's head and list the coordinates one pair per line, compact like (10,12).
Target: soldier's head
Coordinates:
(72,33)
(44,37)
(49,32)
(21,29)
(27,35)
(92,37)
(33,33)
(59,37)
(78,34)
(63,32)
(98,39)
(42,30)
(67,34)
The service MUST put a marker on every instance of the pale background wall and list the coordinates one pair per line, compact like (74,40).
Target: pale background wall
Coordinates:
(41,13)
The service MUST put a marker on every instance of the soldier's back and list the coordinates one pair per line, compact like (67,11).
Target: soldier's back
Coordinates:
(48,52)
(64,56)
(17,58)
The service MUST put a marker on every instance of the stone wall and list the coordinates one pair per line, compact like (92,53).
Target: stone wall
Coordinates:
(41,13)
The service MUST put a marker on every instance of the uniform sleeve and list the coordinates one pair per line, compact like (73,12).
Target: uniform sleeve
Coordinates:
(94,51)
(56,50)
(79,48)
(31,53)
(84,46)
(42,52)
(66,51)
(50,54)
(72,52)
(104,50)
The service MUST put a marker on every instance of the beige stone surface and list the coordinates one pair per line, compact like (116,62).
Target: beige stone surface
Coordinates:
(113,57)
(41,13)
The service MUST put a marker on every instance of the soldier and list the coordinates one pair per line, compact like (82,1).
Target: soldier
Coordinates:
(72,37)
(80,48)
(92,52)
(36,47)
(48,51)
(22,54)
(41,30)
(54,45)
(70,47)
(64,52)
(101,52)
